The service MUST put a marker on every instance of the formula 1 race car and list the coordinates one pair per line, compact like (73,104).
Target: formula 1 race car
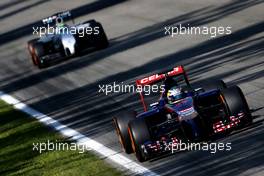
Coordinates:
(182,113)
(58,41)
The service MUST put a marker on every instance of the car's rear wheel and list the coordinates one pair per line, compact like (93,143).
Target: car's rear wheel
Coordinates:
(30,45)
(236,103)
(38,53)
(121,126)
(139,134)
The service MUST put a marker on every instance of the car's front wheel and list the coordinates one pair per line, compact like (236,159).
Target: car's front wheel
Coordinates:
(236,103)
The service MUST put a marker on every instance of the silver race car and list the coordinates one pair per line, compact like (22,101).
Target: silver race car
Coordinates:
(58,40)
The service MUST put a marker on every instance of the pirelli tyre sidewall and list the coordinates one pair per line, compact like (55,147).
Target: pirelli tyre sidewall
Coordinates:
(139,134)
(236,103)
(121,125)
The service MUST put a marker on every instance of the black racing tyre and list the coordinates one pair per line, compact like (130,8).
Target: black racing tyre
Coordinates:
(38,53)
(219,84)
(30,46)
(121,126)
(236,103)
(139,134)
(101,38)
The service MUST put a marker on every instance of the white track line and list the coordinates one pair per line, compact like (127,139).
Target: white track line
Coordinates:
(78,137)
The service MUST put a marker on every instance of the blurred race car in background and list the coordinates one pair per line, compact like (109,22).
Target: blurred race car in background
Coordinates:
(58,41)
(182,113)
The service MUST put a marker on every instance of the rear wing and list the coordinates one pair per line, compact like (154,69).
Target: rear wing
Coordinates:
(52,19)
(160,76)
(150,80)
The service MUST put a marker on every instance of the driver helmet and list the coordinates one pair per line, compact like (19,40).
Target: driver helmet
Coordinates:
(174,94)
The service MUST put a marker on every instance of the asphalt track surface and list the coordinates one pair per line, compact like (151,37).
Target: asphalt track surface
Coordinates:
(68,91)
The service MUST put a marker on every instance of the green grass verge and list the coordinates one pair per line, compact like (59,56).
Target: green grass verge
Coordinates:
(17,135)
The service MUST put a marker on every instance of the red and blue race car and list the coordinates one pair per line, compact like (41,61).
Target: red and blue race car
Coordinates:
(180,113)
